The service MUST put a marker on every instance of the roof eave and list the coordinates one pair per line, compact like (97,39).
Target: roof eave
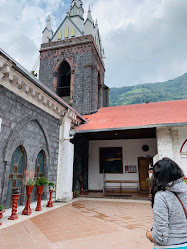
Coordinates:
(73,132)
(43,89)
(35,81)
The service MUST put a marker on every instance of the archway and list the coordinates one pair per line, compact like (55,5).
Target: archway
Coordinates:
(64,81)
(39,170)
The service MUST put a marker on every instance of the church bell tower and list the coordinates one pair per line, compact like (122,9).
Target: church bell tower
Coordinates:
(71,61)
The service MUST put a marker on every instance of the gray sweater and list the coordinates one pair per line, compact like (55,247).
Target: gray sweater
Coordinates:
(170,223)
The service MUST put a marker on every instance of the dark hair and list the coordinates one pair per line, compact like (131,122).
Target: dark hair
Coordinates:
(164,171)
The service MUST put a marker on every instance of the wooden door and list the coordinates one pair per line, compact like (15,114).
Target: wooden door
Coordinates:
(143,168)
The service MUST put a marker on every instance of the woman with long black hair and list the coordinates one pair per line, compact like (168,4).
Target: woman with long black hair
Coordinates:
(169,202)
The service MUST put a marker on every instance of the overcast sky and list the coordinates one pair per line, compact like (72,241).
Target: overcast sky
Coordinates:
(144,40)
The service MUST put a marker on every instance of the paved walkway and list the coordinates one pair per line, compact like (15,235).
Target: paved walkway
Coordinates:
(84,224)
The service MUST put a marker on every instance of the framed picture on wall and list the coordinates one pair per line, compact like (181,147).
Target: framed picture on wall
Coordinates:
(110,160)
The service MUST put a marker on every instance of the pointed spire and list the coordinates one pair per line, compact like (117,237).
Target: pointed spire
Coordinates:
(76,2)
(48,32)
(89,16)
(96,23)
(48,26)
(76,8)
(67,13)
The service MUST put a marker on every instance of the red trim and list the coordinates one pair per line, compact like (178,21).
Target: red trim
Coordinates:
(183,145)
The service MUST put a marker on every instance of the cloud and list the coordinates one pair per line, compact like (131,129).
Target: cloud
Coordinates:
(22,23)
(144,40)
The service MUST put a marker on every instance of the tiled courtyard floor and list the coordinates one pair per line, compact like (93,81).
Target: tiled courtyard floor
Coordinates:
(84,224)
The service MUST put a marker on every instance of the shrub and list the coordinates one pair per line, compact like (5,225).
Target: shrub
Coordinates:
(41,182)
(30,182)
(1,208)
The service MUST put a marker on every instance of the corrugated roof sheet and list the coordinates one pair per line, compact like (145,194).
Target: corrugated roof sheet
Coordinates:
(136,116)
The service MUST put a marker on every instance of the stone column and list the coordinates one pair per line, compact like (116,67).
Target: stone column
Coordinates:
(164,143)
(65,163)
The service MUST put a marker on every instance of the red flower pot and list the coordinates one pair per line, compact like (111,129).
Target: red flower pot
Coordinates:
(15,198)
(39,193)
(50,203)
(27,209)
(1,215)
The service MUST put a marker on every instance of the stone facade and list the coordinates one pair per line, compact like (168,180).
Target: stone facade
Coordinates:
(34,126)
(86,64)
(24,124)
(106,91)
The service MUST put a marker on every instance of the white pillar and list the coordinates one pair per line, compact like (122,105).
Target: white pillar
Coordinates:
(65,163)
(164,143)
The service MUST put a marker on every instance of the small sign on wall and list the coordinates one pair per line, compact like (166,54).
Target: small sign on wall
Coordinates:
(130,169)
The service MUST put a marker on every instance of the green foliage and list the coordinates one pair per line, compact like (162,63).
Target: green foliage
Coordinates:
(75,193)
(148,180)
(30,182)
(41,182)
(51,184)
(1,208)
(151,92)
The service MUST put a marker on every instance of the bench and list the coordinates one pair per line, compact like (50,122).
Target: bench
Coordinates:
(121,185)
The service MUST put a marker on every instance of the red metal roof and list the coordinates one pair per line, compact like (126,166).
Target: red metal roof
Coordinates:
(137,116)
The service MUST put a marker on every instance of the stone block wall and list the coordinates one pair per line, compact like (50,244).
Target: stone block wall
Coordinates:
(26,125)
(106,96)
(85,64)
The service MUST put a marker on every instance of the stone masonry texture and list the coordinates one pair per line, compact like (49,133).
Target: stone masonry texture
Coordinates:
(26,125)
(85,64)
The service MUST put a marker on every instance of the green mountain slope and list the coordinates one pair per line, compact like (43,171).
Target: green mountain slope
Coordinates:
(153,92)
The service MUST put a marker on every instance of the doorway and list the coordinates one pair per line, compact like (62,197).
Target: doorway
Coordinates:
(143,168)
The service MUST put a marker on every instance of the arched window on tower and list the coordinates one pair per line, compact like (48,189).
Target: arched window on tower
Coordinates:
(64,79)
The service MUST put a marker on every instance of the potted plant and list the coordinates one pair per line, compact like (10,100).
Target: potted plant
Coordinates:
(75,193)
(51,189)
(2,210)
(29,187)
(51,185)
(148,181)
(16,191)
(40,183)
(185,180)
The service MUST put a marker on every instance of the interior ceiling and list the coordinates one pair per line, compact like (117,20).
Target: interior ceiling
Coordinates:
(121,134)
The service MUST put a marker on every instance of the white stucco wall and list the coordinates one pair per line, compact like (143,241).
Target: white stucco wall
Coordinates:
(69,24)
(65,164)
(181,159)
(169,141)
(131,150)
(164,142)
